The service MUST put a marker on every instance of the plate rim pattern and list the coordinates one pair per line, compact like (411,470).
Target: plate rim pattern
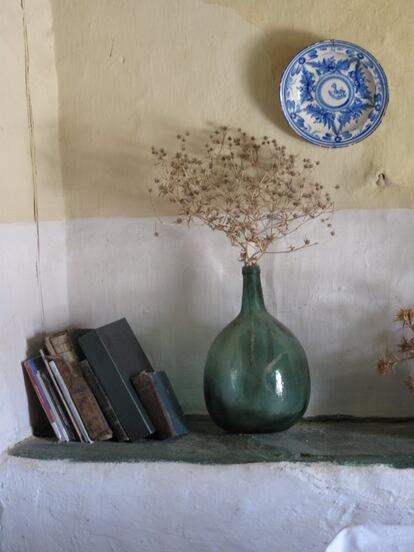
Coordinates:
(359,137)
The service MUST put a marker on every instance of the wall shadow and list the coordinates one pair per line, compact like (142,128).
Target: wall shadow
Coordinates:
(280,46)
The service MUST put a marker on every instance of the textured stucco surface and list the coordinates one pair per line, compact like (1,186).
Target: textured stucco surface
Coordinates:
(50,506)
(30,181)
(133,73)
(33,291)
(15,168)
(105,80)
(30,303)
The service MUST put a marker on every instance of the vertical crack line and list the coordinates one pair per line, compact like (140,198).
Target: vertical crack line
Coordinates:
(33,160)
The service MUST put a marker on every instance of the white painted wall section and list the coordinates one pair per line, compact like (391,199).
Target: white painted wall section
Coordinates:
(180,289)
(31,302)
(168,507)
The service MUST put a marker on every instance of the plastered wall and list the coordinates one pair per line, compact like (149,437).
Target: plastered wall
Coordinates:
(91,85)
(87,87)
(180,289)
(29,160)
(33,289)
(133,73)
(173,507)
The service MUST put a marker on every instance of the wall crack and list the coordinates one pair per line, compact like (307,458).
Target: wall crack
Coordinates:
(33,160)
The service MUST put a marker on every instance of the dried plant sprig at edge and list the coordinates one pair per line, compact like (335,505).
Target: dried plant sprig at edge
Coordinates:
(404,352)
(251,189)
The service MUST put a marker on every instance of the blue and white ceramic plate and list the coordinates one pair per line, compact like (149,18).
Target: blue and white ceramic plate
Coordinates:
(334,93)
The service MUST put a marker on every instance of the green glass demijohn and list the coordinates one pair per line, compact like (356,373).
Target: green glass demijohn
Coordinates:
(256,378)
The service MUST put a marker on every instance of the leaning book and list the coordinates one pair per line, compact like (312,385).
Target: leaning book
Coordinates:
(159,400)
(64,363)
(43,388)
(115,355)
(118,431)
(66,399)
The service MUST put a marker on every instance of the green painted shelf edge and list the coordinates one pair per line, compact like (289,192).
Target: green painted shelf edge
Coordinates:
(340,440)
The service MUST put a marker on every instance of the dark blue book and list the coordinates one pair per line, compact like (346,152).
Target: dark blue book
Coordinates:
(159,400)
(115,355)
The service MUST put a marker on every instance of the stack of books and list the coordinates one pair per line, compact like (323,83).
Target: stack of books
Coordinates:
(96,385)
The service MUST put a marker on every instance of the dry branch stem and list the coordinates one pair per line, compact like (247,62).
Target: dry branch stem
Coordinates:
(250,188)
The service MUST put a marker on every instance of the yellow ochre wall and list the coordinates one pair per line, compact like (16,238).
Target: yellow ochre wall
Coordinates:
(30,177)
(131,73)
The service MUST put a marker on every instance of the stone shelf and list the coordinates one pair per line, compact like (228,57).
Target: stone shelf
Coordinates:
(340,440)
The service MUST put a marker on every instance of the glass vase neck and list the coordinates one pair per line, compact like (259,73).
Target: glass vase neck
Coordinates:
(252,300)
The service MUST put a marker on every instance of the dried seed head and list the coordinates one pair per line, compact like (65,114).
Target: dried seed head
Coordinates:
(409,382)
(406,317)
(386,363)
(251,189)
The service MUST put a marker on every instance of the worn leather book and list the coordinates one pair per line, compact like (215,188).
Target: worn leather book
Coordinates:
(114,355)
(61,351)
(103,401)
(159,400)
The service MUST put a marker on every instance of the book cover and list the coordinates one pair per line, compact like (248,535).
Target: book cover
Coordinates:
(71,406)
(66,398)
(38,419)
(61,395)
(60,350)
(32,367)
(115,355)
(57,405)
(159,400)
(103,401)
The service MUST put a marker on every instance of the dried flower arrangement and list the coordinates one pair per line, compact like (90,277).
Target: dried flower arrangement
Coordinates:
(405,349)
(251,189)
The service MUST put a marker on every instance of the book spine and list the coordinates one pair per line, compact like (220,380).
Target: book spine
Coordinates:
(40,392)
(149,427)
(60,346)
(65,412)
(155,393)
(171,406)
(84,435)
(56,407)
(148,396)
(103,401)
(72,424)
